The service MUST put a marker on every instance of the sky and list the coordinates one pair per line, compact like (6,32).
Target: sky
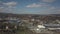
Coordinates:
(30,6)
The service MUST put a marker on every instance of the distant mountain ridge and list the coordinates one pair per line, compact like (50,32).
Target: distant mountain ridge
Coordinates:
(2,14)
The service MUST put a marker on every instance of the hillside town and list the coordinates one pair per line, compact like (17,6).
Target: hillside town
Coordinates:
(35,24)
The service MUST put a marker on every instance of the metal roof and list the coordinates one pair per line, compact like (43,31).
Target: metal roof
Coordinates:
(52,25)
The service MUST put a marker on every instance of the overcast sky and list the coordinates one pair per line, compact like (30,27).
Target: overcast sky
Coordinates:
(30,6)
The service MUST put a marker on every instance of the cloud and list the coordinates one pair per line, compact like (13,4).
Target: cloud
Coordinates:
(47,8)
(10,4)
(7,6)
(34,5)
(56,11)
(51,10)
(1,9)
(48,0)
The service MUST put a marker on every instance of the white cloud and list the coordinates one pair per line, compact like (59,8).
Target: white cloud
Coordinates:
(48,0)
(51,10)
(7,6)
(10,4)
(57,11)
(34,5)
(1,9)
